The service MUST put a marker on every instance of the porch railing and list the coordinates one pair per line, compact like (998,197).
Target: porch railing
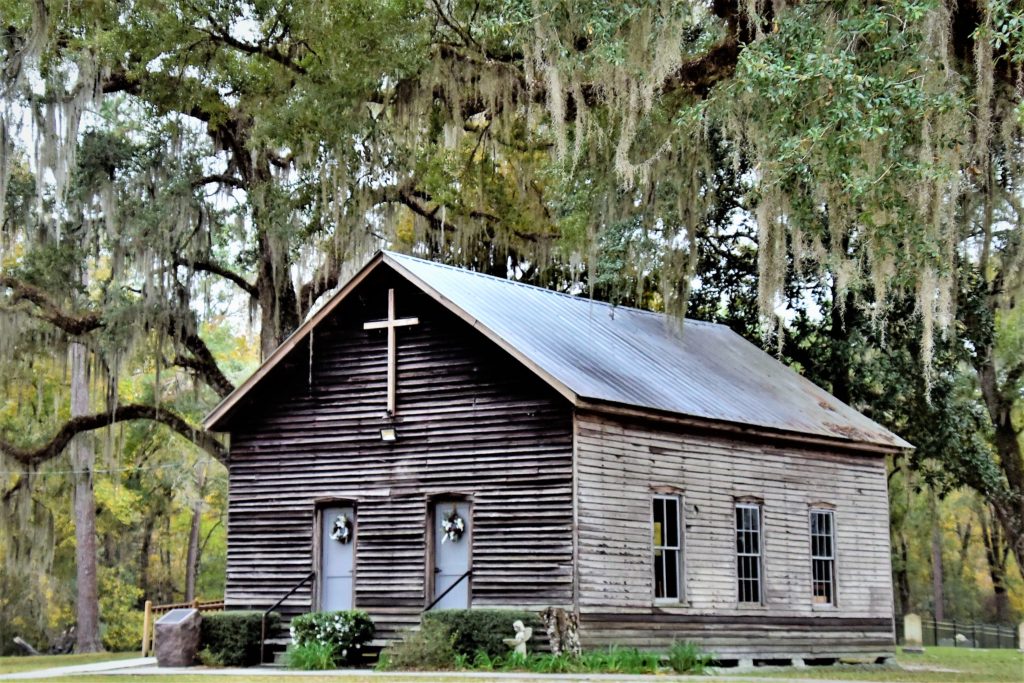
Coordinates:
(152,611)
(266,612)
(448,590)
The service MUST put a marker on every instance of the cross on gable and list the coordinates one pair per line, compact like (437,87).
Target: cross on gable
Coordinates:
(391,324)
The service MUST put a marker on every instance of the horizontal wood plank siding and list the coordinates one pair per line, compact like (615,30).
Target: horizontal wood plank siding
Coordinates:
(470,421)
(620,464)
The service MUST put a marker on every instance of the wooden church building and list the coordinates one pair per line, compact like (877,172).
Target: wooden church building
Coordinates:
(437,438)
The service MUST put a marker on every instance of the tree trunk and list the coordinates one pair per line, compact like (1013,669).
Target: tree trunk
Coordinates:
(279,306)
(903,575)
(937,596)
(192,557)
(996,554)
(999,400)
(839,366)
(87,632)
(147,544)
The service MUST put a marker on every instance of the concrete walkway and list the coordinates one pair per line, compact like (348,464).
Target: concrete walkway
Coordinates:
(113,666)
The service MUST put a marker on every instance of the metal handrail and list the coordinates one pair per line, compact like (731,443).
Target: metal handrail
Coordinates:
(448,590)
(263,619)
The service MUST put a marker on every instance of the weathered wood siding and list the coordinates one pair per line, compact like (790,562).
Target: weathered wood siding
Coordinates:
(618,466)
(470,420)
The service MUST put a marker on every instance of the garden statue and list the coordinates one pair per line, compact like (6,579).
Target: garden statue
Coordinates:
(523,634)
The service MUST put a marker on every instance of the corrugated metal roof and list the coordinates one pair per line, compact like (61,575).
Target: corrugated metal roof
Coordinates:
(648,360)
(595,352)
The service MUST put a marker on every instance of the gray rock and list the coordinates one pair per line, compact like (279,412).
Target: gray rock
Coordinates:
(177,637)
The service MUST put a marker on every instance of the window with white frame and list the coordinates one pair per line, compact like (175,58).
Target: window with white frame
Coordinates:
(823,557)
(748,552)
(667,548)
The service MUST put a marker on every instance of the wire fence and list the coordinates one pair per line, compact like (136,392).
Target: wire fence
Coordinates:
(936,633)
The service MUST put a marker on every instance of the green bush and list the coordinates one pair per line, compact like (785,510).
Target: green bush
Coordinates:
(430,648)
(345,632)
(233,638)
(614,660)
(120,622)
(475,630)
(311,656)
(687,658)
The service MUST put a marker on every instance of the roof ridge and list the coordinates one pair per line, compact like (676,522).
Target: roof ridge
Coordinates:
(545,290)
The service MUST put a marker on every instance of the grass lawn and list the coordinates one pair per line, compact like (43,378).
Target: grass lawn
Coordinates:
(937,664)
(10,665)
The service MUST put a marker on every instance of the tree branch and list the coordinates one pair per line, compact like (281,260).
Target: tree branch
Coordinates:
(207,266)
(75,324)
(222,36)
(203,364)
(85,423)
(222,178)
(416,201)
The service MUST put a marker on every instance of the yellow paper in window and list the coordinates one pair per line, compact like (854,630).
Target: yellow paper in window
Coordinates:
(657,533)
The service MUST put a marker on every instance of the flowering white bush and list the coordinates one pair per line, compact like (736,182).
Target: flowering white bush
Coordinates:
(347,632)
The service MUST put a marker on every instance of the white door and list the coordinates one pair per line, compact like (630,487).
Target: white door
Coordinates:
(337,550)
(452,555)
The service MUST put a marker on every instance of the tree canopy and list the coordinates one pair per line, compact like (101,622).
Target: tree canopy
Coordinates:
(839,179)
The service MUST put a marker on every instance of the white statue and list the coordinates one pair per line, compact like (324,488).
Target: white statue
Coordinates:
(523,634)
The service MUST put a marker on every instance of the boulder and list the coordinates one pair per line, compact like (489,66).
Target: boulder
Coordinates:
(177,637)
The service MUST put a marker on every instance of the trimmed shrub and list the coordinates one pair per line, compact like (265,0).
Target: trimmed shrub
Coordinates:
(233,638)
(429,648)
(345,632)
(476,630)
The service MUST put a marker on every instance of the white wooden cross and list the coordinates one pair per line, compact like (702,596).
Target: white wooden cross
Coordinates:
(390,324)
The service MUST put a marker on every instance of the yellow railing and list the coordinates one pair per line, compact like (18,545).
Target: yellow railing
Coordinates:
(152,611)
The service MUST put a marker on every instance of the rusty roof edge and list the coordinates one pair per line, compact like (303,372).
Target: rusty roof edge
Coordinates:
(614,408)
(898,442)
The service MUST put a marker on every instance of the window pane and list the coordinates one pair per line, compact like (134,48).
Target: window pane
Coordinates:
(822,557)
(667,555)
(659,575)
(748,553)
(671,522)
(671,574)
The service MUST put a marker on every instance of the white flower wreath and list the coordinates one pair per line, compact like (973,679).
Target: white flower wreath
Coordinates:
(452,526)
(341,529)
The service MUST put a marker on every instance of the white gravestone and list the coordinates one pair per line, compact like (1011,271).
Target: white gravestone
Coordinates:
(913,639)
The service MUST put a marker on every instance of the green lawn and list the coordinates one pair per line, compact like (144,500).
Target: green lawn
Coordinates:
(10,665)
(937,664)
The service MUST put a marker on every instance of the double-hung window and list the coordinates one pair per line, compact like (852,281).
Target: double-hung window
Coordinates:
(823,557)
(748,553)
(667,548)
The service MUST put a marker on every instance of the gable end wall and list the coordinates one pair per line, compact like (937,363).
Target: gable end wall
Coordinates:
(471,421)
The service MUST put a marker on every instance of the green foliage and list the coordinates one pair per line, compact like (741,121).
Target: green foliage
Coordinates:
(233,638)
(481,630)
(311,656)
(431,647)
(121,621)
(614,660)
(688,658)
(344,632)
